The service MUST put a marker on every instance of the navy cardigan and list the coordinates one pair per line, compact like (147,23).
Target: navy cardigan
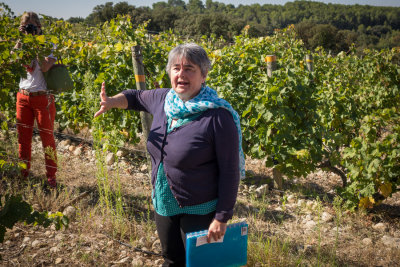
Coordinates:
(201,158)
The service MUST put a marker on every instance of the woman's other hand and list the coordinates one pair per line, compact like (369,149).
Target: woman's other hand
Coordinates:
(216,230)
(107,103)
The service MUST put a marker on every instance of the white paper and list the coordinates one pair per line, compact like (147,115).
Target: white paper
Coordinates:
(202,240)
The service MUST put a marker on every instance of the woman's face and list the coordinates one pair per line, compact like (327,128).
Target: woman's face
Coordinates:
(30,26)
(186,79)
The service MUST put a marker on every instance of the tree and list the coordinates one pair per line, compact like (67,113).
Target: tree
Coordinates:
(75,20)
(345,39)
(195,6)
(122,8)
(140,15)
(101,13)
(163,20)
(177,3)
(324,35)
(5,10)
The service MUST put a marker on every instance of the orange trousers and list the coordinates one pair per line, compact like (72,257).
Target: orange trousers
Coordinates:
(42,109)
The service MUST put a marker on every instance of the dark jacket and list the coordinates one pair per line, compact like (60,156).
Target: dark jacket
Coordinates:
(201,158)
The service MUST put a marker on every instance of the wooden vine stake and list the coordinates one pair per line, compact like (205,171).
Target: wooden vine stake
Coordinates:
(310,63)
(276,174)
(271,64)
(145,117)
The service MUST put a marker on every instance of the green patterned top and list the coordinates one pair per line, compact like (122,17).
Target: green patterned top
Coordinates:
(164,201)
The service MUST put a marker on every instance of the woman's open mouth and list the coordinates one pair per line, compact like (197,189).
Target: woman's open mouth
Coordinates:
(183,83)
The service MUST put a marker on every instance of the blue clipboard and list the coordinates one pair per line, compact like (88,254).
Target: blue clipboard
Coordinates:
(231,250)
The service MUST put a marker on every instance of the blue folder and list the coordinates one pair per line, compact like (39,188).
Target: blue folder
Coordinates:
(231,250)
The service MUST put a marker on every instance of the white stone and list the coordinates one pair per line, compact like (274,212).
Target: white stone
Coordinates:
(300,202)
(326,217)
(26,239)
(122,254)
(380,227)
(36,244)
(278,208)
(54,250)
(70,212)
(124,260)
(310,203)
(47,233)
(309,217)
(262,190)
(122,153)
(78,151)
(367,241)
(291,199)
(142,241)
(143,168)
(110,159)
(137,262)
(59,261)
(65,143)
(310,224)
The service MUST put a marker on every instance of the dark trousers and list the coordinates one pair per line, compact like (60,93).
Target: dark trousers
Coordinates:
(172,233)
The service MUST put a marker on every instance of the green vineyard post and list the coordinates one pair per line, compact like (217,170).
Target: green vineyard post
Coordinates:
(140,79)
(310,62)
(276,174)
(271,64)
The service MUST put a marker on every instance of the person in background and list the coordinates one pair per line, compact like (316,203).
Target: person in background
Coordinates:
(35,103)
(195,148)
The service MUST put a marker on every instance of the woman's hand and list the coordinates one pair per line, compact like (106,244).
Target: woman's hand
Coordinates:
(216,230)
(47,63)
(105,101)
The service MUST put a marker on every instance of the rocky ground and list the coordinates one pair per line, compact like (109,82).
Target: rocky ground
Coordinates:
(303,216)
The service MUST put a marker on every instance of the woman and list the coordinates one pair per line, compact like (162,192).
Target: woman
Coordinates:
(35,103)
(194,144)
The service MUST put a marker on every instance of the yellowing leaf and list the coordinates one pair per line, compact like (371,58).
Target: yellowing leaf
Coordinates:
(54,40)
(124,133)
(366,203)
(386,189)
(118,47)
(302,154)
(41,38)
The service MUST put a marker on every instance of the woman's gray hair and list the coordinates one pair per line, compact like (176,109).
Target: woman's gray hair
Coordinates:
(191,52)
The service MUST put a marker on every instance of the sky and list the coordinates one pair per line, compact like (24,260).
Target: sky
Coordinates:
(82,8)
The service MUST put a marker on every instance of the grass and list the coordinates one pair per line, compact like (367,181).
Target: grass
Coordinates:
(119,206)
